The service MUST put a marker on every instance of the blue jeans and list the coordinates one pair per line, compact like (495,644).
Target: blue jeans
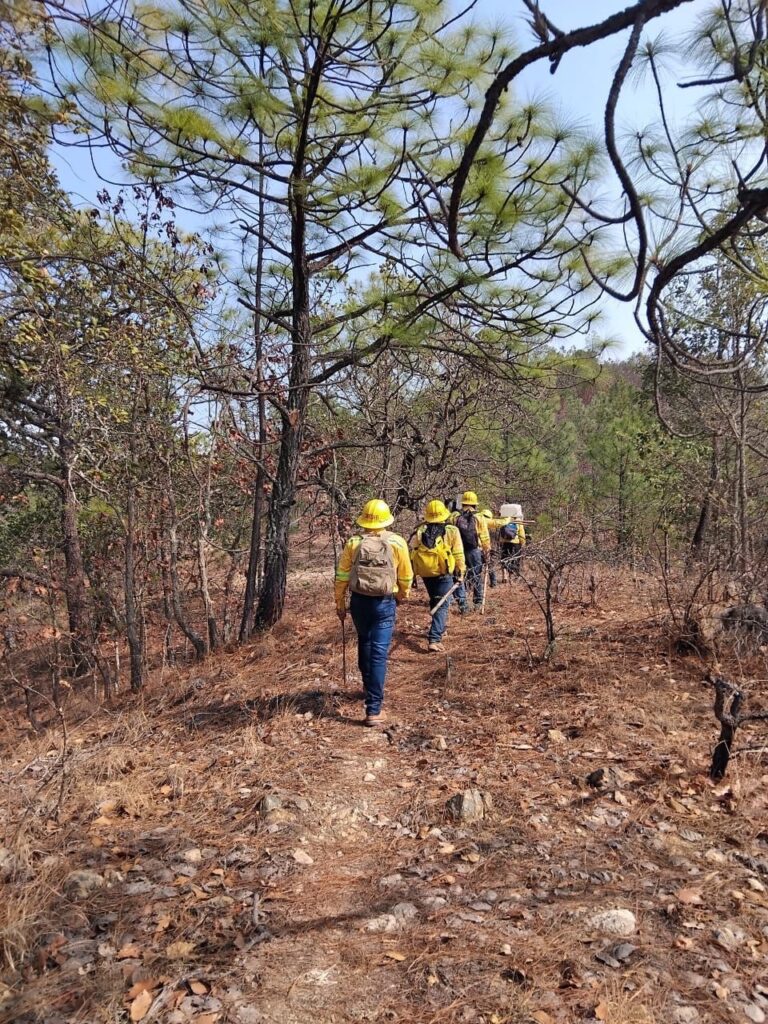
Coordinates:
(437,587)
(374,619)
(473,579)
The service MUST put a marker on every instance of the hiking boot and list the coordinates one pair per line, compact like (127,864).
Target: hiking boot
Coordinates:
(374,721)
(436,647)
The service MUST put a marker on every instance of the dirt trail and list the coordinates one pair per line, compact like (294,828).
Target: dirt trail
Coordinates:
(351,895)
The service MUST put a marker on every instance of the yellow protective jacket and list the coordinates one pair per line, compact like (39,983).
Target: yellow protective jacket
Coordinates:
(452,542)
(483,535)
(403,566)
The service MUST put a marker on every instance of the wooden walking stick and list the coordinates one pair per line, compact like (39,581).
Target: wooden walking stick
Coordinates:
(344,650)
(485,584)
(444,598)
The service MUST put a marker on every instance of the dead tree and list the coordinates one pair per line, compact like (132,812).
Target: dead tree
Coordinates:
(730,702)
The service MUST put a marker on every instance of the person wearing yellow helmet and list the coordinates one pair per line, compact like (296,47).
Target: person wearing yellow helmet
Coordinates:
(376,568)
(477,547)
(437,555)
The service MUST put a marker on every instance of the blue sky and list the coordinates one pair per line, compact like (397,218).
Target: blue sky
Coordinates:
(578,89)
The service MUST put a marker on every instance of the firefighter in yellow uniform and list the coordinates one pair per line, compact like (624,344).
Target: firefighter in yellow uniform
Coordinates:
(376,568)
(437,555)
(477,549)
(495,524)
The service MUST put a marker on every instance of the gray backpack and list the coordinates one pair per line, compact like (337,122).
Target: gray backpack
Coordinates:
(373,572)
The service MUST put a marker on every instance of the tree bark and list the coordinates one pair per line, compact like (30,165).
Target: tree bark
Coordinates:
(705,515)
(133,629)
(199,644)
(74,574)
(252,580)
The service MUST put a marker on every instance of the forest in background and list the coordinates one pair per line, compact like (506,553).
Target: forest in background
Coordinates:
(179,408)
(342,252)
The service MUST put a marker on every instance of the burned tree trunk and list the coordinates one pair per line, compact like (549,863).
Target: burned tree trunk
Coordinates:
(729,702)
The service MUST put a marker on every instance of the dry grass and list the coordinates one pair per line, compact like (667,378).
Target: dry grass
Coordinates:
(184,768)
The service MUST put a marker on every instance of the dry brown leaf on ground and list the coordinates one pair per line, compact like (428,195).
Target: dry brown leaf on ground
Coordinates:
(689,896)
(130,951)
(140,1005)
(178,950)
(146,985)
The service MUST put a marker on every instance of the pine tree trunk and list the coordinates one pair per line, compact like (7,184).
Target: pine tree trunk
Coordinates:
(272,593)
(705,515)
(252,579)
(74,577)
(132,624)
(199,644)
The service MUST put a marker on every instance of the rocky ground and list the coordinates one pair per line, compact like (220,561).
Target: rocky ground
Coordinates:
(528,842)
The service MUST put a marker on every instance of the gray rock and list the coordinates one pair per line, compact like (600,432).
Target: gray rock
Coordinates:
(382,923)
(301,804)
(79,884)
(9,864)
(467,806)
(193,856)
(269,802)
(615,956)
(404,912)
(439,743)
(730,937)
(435,902)
(141,888)
(754,1013)
(391,881)
(685,1015)
(614,922)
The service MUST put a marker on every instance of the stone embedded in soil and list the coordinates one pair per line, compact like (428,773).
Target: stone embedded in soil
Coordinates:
(615,956)
(302,857)
(754,1013)
(713,856)
(382,923)
(614,922)
(8,864)
(556,736)
(685,1015)
(467,806)
(79,884)
(193,855)
(439,743)
(391,881)
(730,937)
(269,802)
(403,912)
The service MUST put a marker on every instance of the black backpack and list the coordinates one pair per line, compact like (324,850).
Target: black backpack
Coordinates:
(467,527)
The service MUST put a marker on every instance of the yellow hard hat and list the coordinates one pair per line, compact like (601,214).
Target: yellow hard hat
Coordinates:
(487,513)
(436,512)
(469,498)
(375,515)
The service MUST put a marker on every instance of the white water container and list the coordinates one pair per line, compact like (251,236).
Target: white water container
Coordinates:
(511,511)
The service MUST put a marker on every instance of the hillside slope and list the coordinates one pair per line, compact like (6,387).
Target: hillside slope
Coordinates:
(234,847)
